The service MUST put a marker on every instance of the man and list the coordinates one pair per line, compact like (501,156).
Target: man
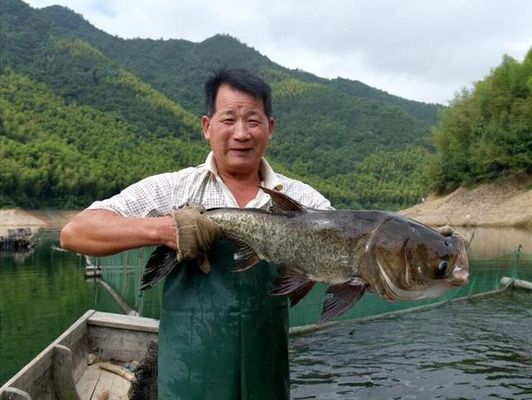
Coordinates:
(221,335)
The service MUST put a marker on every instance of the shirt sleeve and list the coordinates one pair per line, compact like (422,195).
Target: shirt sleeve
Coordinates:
(305,194)
(316,200)
(150,197)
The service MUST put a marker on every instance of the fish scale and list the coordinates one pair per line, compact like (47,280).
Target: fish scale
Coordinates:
(350,250)
(319,252)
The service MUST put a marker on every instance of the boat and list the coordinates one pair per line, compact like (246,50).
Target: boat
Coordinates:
(89,360)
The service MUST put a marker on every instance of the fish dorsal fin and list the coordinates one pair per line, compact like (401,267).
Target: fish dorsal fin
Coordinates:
(245,257)
(283,202)
(296,284)
(341,297)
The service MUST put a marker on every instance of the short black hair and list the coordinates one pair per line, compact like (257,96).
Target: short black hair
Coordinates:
(239,79)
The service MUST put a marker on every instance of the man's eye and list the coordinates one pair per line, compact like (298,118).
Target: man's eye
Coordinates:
(253,122)
(228,121)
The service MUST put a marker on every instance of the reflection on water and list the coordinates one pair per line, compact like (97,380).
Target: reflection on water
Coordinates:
(469,349)
(490,243)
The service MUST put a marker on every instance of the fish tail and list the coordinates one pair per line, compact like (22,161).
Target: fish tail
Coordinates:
(161,262)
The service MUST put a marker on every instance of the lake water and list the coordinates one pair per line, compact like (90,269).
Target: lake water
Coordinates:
(468,349)
(476,348)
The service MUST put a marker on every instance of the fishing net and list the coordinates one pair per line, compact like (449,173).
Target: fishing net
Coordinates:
(123,271)
(144,386)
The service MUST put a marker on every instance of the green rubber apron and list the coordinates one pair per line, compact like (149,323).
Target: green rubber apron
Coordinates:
(222,336)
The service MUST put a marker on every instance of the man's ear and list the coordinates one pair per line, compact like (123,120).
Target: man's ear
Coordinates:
(205,124)
(271,126)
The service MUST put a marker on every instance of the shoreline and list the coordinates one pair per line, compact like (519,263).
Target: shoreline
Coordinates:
(503,203)
(35,220)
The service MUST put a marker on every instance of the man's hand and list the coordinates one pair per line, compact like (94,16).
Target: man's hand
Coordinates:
(195,233)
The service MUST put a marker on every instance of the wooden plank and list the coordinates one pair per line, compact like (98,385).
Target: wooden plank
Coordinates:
(103,388)
(62,373)
(120,321)
(100,384)
(118,344)
(42,387)
(14,394)
(88,381)
(80,354)
(77,342)
(120,389)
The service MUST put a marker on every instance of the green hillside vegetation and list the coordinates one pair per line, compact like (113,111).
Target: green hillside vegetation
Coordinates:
(54,154)
(85,113)
(487,131)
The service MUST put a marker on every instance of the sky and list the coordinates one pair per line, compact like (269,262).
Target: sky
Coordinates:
(417,49)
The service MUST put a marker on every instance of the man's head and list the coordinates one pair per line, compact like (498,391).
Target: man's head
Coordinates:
(238,124)
(241,80)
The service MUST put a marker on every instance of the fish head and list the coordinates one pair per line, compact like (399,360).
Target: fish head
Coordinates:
(411,261)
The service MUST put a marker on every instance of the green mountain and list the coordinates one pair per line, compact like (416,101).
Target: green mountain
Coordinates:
(361,146)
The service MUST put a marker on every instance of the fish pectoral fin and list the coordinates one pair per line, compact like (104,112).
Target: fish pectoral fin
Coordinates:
(245,257)
(292,282)
(161,262)
(341,297)
(283,202)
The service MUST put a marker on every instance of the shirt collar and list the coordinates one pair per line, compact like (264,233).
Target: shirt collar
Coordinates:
(269,178)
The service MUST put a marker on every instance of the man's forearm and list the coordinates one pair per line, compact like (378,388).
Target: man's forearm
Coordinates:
(101,232)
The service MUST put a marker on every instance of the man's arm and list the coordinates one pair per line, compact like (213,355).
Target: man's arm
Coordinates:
(102,232)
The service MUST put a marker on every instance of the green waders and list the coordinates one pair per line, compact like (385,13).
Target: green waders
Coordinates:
(222,336)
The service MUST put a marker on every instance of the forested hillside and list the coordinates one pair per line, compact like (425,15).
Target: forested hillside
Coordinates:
(487,131)
(62,155)
(85,113)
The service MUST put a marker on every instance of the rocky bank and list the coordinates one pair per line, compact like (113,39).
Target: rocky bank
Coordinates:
(506,202)
(33,219)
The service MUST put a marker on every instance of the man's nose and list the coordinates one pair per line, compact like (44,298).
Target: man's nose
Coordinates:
(241,131)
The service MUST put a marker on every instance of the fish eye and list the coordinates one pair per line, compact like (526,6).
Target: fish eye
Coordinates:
(442,267)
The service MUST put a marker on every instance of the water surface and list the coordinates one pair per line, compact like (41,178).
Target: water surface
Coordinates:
(479,348)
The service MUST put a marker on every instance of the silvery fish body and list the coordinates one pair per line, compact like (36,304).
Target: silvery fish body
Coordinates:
(326,245)
(350,250)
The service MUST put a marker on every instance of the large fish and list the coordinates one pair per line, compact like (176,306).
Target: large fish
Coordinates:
(351,251)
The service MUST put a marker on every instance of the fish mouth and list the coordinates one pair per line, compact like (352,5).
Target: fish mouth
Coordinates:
(459,277)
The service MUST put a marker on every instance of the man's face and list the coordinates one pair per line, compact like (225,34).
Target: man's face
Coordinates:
(238,132)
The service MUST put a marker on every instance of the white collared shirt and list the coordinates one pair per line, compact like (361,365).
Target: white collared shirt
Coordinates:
(160,194)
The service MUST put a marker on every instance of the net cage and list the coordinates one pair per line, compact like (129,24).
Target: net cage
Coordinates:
(123,273)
